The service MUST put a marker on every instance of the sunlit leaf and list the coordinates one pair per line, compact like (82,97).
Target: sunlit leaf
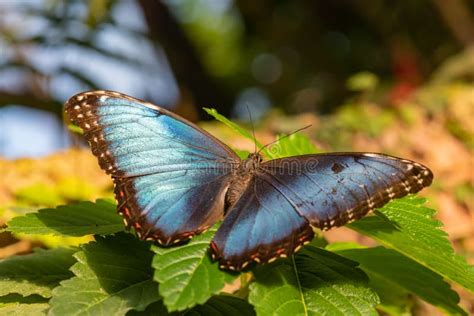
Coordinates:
(75,129)
(293,145)
(394,300)
(235,127)
(78,219)
(36,273)
(389,268)
(412,231)
(219,305)
(39,194)
(17,305)
(113,275)
(223,305)
(362,81)
(316,282)
(186,274)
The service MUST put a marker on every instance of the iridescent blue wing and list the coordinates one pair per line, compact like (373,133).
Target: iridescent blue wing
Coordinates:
(261,225)
(333,189)
(321,191)
(170,176)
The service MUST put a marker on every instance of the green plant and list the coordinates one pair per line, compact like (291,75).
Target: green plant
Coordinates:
(117,274)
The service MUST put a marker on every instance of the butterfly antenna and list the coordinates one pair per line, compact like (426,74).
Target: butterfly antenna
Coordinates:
(253,128)
(285,136)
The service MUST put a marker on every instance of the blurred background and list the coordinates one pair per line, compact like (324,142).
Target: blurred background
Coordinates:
(376,75)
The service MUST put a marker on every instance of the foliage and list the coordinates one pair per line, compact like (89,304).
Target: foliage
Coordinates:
(314,282)
(390,272)
(37,273)
(408,227)
(181,271)
(74,220)
(235,127)
(119,274)
(362,81)
(108,280)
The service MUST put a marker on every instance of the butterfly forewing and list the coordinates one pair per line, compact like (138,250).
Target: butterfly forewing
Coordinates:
(332,189)
(170,176)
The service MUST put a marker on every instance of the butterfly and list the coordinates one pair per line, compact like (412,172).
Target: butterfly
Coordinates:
(173,180)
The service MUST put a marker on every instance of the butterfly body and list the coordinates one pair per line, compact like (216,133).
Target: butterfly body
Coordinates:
(242,175)
(173,180)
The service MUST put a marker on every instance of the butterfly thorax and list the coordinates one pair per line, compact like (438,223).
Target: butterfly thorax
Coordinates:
(241,177)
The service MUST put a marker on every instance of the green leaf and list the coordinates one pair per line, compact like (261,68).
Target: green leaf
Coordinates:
(78,219)
(219,305)
(235,127)
(76,189)
(39,194)
(314,282)
(394,300)
(399,271)
(186,274)
(154,309)
(36,273)
(75,129)
(362,81)
(243,154)
(293,145)
(113,275)
(223,305)
(18,309)
(17,305)
(412,231)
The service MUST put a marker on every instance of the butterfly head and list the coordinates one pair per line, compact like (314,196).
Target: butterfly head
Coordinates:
(252,161)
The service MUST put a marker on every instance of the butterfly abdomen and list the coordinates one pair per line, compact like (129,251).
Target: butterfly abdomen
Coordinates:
(237,186)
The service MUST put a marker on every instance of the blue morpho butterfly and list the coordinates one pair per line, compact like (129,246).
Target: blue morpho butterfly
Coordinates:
(173,180)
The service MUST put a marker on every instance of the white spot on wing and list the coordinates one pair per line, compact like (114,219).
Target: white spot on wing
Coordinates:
(371,155)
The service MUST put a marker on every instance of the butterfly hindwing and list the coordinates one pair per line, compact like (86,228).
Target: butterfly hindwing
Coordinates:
(261,226)
(170,176)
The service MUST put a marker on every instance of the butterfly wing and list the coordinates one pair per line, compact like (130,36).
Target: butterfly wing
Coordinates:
(170,176)
(291,195)
(261,225)
(333,189)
